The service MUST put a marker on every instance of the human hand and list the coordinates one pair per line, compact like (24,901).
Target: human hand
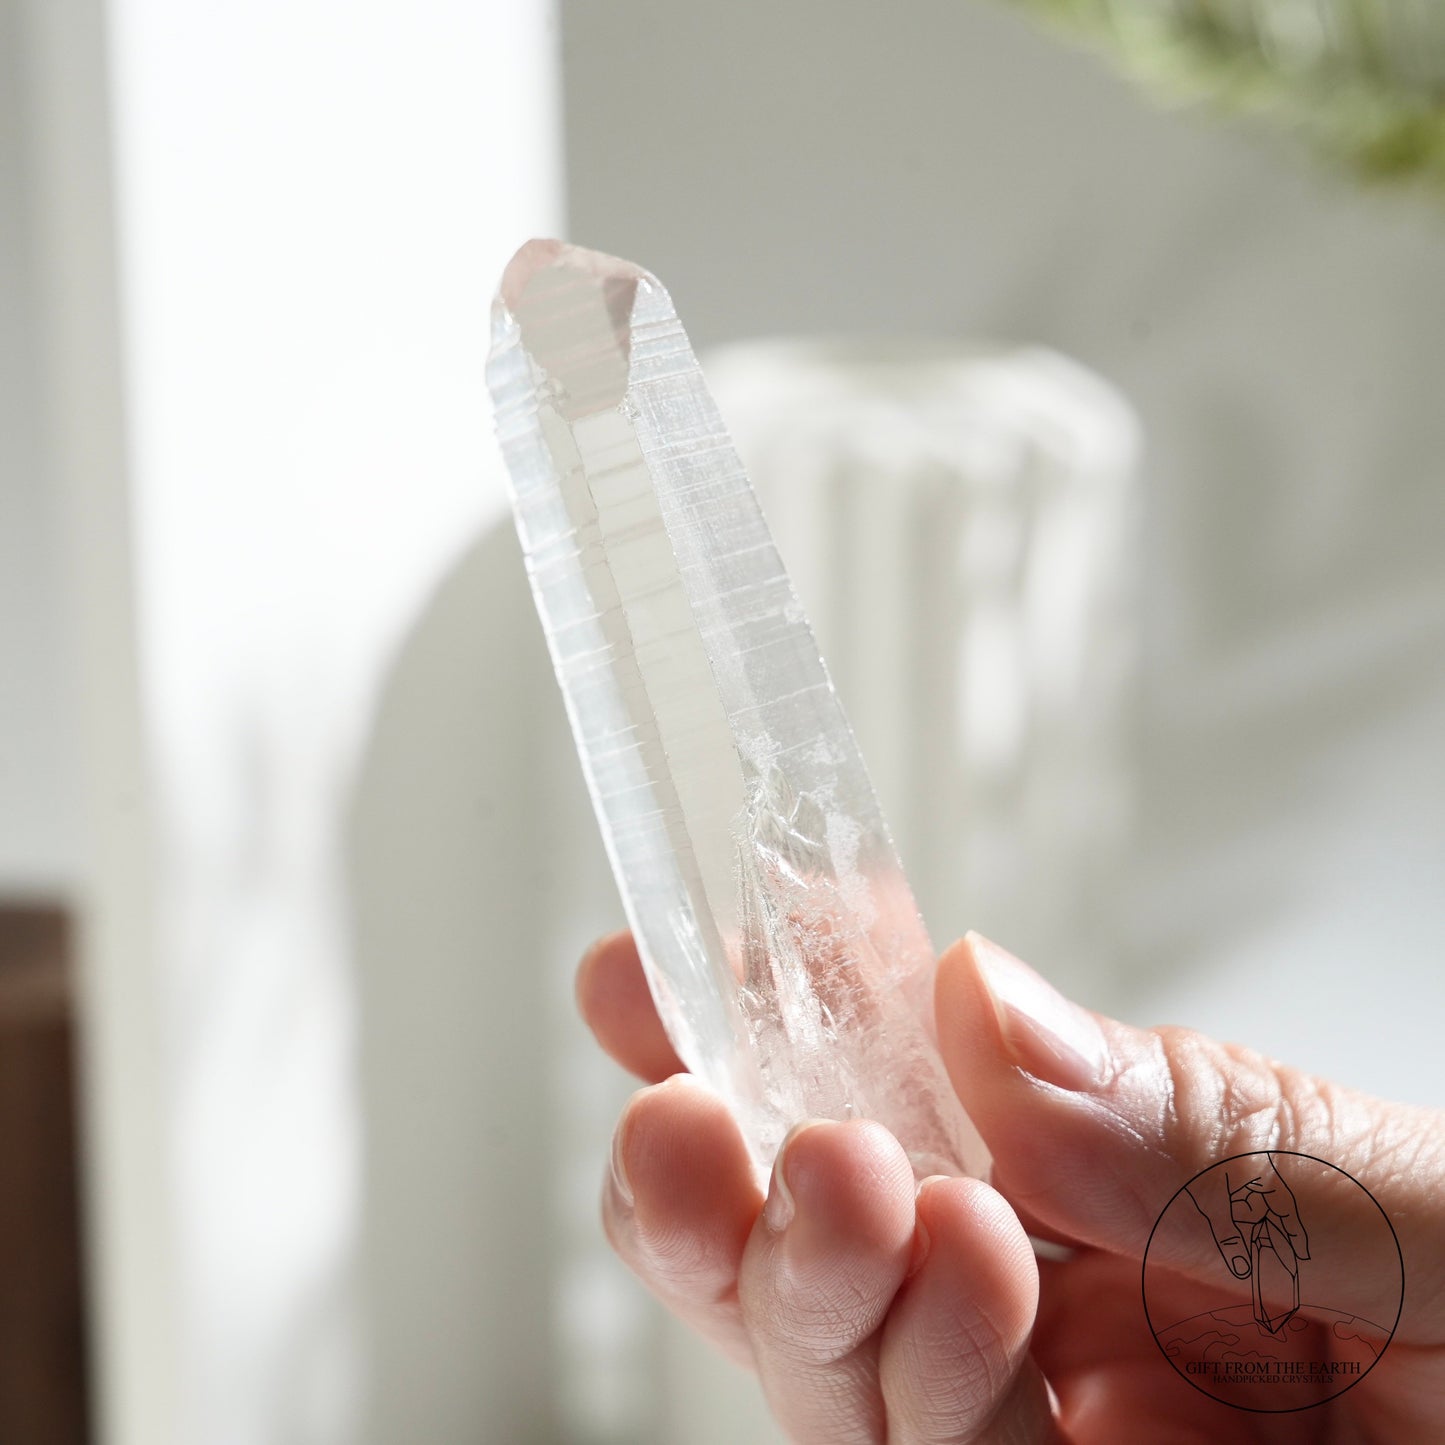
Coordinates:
(874,1309)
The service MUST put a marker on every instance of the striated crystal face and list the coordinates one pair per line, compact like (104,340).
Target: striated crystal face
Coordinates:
(780,938)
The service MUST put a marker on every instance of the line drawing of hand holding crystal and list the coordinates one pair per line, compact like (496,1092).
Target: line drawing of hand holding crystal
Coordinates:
(1252,1213)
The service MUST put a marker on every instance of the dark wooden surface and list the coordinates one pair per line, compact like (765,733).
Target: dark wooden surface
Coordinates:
(42,1322)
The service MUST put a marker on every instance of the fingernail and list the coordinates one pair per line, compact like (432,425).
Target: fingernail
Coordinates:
(1051,1038)
(918,1255)
(922,1240)
(778,1207)
(621,1185)
(1240,1265)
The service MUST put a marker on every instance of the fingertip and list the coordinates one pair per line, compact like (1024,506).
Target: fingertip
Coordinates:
(959,1331)
(821,1148)
(676,1132)
(601,960)
(969,1036)
(850,1179)
(822,1271)
(958,983)
(688,1174)
(974,1235)
(593,970)
(955,964)
(616,1004)
(691,1202)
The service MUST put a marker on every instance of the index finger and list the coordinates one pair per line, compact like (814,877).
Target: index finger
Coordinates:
(615,1002)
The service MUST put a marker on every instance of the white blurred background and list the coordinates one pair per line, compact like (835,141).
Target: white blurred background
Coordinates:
(277,725)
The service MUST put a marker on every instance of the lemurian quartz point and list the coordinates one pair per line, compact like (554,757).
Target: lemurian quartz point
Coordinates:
(781,941)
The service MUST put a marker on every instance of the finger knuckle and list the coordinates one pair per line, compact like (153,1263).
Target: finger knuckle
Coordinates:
(1222,1099)
(817,1321)
(977,1378)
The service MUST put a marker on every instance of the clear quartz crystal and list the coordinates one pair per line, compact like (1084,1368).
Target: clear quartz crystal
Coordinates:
(781,942)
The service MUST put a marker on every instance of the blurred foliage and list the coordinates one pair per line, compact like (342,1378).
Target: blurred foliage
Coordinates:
(1362,80)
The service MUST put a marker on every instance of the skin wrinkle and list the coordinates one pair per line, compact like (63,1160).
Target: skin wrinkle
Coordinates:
(973,1341)
(842,1425)
(1132,1189)
(1100,1156)
(1227,1091)
(858,1365)
(1247,1101)
(684,1286)
(685,1259)
(1128,1186)
(1008,1423)
(970,1369)
(727,1333)
(1410,1147)
(978,1333)
(852,1385)
(1404,1141)
(985,1354)
(824,1334)
(849,1298)
(1259,1104)
(727,1296)
(1253,1112)
(692,1284)
(979,1383)
(679,1255)
(1181,1101)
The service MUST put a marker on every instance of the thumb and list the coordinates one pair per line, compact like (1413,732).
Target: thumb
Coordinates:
(1095,1125)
